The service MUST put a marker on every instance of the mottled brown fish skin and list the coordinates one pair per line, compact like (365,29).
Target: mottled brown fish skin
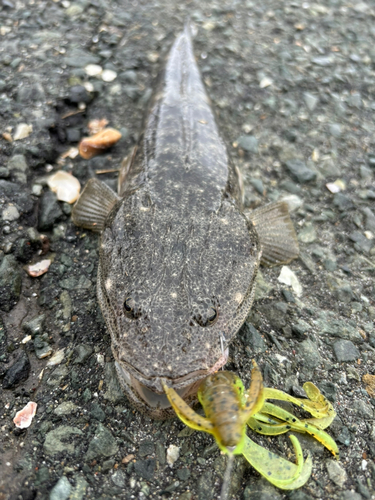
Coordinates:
(177,244)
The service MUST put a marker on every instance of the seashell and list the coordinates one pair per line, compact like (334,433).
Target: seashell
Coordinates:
(66,186)
(96,144)
(97,125)
(24,417)
(39,268)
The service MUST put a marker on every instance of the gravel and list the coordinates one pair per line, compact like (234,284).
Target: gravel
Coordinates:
(292,84)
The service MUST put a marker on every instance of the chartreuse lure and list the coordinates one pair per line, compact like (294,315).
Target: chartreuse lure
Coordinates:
(228,408)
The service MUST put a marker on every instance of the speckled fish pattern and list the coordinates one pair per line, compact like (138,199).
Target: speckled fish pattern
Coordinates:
(177,244)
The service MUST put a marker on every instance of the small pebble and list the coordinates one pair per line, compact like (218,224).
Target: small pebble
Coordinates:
(173,452)
(24,417)
(265,82)
(10,213)
(23,130)
(288,277)
(108,75)
(93,70)
(39,268)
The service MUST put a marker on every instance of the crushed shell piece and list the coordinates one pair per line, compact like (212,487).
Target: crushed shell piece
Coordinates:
(39,268)
(66,186)
(288,277)
(173,452)
(93,70)
(25,416)
(108,75)
(96,144)
(336,187)
(56,358)
(23,130)
(97,125)
(265,82)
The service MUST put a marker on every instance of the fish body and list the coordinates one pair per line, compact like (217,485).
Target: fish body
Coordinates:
(178,256)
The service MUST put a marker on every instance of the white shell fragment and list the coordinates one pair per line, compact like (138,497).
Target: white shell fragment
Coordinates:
(56,358)
(336,187)
(265,82)
(108,75)
(23,130)
(39,268)
(93,70)
(293,201)
(25,416)
(173,452)
(66,186)
(288,277)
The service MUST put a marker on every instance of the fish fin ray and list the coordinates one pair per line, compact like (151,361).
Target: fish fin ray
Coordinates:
(124,170)
(93,206)
(276,233)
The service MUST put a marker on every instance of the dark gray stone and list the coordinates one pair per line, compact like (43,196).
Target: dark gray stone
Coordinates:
(183,474)
(258,186)
(205,486)
(73,134)
(342,202)
(308,351)
(61,490)
(97,413)
(119,478)
(78,94)
(103,444)
(253,338)
(345,351)
(18,168)
(49,211)
(299,171)
(108,464)
(335,130)
(146,448)
(42,348)
(350,495)
(362,244)
(60,440)
(34,326)
(18,372)
(31,93)
(114,393)
(249,143)
(57,376)
(299,329)
(145,468)
(82,352)
(10,282)
(344,437)
(363,409)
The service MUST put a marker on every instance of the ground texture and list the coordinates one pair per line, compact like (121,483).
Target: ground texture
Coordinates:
(293,84)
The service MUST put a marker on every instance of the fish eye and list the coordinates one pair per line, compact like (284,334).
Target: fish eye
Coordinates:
(129,304)
(211,314)
(132,308)
(206,317)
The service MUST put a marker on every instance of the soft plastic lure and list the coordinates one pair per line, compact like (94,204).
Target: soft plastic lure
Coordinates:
(228,407)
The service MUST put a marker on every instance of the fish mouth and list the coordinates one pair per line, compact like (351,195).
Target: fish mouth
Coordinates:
(155,402)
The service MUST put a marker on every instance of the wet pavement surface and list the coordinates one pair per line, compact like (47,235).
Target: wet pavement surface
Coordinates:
(293,85)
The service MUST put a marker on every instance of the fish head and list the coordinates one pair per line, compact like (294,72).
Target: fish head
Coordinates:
(173,291)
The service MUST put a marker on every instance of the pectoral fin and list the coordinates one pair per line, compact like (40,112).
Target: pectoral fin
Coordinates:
(93,206)
(276,233)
